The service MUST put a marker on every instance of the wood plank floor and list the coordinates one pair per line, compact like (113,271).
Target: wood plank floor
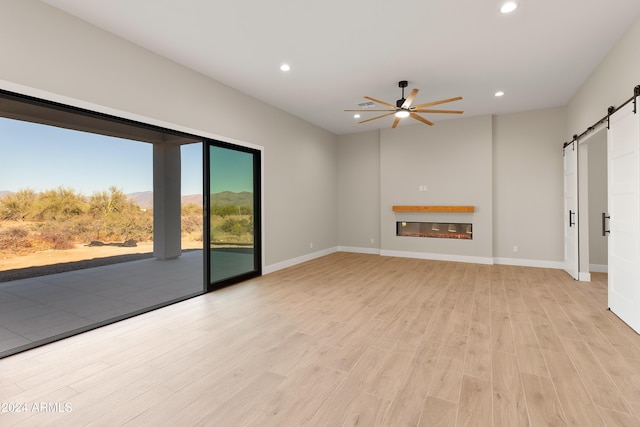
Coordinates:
(348,339)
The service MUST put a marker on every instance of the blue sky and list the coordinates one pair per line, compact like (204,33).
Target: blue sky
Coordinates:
(43,157)
(232,170)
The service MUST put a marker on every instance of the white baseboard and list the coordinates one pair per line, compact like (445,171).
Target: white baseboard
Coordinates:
(599,268)
(371,251)
(438,257)
(422,255)
(584,277)
(530,263)
(298,260)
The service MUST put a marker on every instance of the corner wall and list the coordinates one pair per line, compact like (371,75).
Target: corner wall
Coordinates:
(528,187)
(359,192)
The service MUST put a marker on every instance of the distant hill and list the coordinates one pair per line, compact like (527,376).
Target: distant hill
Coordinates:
(144,199)
(227,198)
(4,193)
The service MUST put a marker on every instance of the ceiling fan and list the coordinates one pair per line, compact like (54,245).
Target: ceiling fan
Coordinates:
(404,109)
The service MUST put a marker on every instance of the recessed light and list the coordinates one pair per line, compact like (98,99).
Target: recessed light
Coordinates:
(285,67)
(499,93)
(508,7)
(356,116)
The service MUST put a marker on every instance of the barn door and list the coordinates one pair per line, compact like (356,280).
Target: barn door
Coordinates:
(623,160)
(571,259)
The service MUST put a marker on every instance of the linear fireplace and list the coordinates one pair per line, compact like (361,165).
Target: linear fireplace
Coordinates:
(440,230)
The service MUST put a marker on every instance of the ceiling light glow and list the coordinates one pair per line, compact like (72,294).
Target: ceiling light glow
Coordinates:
(499,93)
(401,114)
(285,67)
(356,116)
(508,7)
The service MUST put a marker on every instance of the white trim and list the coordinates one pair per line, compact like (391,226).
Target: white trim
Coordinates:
(584,277)
(371,251)
(438,257)
(298,260)
(598,268)
(530,263)
(78,103)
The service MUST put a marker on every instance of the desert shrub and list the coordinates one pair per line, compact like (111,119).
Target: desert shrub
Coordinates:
(59,204)
(237,226)
(191,219)
(14,239)
(18,206)
(58,235)
(116,218)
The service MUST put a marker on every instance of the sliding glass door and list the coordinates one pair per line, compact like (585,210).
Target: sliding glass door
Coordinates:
(233,216)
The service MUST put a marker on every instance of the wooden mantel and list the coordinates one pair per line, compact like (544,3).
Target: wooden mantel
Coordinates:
(433,208)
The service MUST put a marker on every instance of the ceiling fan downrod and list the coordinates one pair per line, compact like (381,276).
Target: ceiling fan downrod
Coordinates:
(402,84)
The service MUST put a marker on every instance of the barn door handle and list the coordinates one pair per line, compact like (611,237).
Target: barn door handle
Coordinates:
(571,221)
(605,217)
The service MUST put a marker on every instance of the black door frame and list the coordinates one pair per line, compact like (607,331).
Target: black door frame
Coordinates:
(257,214)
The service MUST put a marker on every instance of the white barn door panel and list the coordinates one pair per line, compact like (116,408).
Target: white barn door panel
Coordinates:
(571,260)
(623,158)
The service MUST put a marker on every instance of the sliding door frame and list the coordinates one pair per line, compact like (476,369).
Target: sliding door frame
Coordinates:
(257,214)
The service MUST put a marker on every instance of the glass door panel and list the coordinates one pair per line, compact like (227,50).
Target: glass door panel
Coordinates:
(234,214)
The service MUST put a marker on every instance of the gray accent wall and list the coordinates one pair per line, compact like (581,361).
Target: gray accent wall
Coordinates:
(597,200)
(509,167)
(453,161)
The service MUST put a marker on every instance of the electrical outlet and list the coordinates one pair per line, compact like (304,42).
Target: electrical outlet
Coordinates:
(311,245)
(372,240)
(515,249)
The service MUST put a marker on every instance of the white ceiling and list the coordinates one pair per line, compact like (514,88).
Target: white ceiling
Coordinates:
(342,50)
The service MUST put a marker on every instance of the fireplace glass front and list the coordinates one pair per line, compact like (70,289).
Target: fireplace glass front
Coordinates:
(440,230)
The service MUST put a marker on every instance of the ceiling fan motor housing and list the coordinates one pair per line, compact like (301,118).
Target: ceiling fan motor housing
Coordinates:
(402,84)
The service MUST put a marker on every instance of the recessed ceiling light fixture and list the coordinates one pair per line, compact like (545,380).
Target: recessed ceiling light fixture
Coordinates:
(285,67)
(498,94)
(509,7)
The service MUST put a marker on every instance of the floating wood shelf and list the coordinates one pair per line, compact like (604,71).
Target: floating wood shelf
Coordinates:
(433,208)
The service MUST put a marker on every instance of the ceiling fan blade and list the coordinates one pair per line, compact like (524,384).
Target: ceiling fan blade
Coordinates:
(395,122)
(422,119)
(367,110)
(442,101)
(377,117)
(407,102)
(439,111)
(386,104)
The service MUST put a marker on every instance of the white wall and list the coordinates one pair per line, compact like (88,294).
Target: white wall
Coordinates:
(528,189)
(359,191)
(51,54)
(610,84)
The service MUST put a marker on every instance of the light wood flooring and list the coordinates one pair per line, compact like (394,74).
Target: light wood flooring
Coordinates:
(344,340)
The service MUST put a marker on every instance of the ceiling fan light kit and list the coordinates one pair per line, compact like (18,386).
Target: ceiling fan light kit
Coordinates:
(403,107)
